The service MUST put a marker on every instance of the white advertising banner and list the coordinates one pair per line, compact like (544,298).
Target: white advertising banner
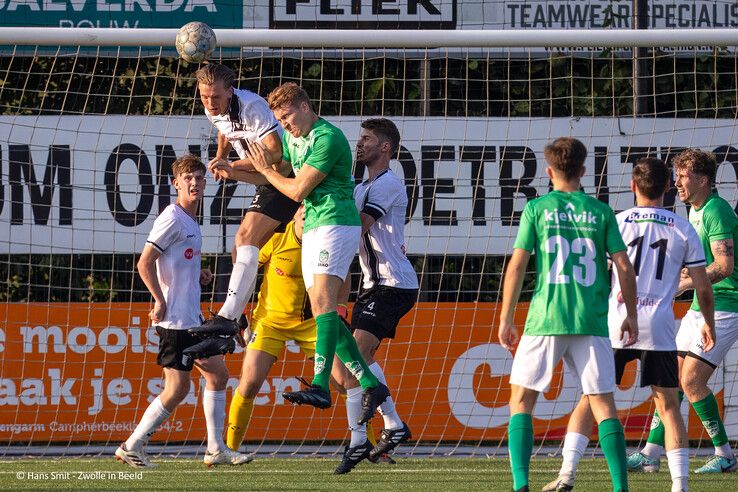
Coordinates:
(83,184)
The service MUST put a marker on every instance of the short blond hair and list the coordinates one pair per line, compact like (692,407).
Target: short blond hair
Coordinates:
(214,72)
(288,94)
(186,164)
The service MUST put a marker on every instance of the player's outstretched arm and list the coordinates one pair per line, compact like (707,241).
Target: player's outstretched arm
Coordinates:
(627,278)
(703,290)
(513,283)
(147,270)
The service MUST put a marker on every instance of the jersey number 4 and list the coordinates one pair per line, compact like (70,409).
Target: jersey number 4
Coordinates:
(584,272)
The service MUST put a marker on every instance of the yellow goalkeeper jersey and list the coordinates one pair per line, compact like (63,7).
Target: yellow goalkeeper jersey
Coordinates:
(283,300)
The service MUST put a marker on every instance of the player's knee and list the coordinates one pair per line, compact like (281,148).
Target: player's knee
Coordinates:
(249,389)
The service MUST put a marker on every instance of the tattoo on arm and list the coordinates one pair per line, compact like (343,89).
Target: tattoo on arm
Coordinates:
(722,247)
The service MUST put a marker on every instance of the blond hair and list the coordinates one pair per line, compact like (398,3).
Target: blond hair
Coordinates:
(288,94)
(214,72)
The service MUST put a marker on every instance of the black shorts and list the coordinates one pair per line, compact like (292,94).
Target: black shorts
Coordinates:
(658,367)
(378,310)
(171,345)
(269,201)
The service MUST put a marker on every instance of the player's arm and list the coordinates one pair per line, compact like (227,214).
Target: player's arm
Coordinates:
(273,145)
(627,278)
(296,188)
(147,270)
(513,284)
(367,221)
(721,267)
(706,300)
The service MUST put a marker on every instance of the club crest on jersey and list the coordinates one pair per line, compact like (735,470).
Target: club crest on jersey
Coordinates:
(569,215)
(323,258)
(189,253)
(636,216)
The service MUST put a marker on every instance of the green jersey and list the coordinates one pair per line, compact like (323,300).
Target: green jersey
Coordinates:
(326,149)
(716,220)
(570,234)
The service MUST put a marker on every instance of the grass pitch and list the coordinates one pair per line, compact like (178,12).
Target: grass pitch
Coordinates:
(426,474)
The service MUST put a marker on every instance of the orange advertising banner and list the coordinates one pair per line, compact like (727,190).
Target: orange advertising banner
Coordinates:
(78,373)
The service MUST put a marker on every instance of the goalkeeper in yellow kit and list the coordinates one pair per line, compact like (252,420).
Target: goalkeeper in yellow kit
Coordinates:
(282,314)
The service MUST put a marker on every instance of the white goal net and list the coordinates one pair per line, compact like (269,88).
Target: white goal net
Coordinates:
(87,138)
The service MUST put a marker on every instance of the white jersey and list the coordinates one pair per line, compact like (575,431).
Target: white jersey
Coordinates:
(177,237)
(659,244)
(248,120)
(382,248)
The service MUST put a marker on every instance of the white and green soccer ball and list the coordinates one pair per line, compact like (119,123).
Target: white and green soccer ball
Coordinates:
(195,42)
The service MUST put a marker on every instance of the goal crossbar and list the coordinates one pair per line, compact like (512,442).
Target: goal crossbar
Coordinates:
(324,38)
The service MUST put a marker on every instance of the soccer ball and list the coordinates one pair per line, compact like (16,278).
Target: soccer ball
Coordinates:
(195,42)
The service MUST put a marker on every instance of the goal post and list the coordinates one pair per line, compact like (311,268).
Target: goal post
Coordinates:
(92,119)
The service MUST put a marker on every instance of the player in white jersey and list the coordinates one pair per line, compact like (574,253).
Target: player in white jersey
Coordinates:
(242,119)
(170,267)
(659,244)
(717,227)
(389,288)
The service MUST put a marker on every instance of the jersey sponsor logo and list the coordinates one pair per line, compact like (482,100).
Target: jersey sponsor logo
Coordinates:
(190,236)
(655,217)
(284,258)
(279,271)
(323,258)
(189,253)
(640,301)
(569,215)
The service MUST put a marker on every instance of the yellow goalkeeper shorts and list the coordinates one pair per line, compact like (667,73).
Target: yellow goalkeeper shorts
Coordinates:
(269,338)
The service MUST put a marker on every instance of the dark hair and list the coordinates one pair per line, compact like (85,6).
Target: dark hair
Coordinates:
(212,72)
(386,130)
(566,155)
(186,164)
(697,161)
(651,176)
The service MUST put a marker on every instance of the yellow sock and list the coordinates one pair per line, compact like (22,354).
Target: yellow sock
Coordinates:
(370,434)
(239,415)
(369,427)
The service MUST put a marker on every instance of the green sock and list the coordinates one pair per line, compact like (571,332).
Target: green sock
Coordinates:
(612,440)
(658,434)
(349,353)
(520,447)
(707,410)
(325,347)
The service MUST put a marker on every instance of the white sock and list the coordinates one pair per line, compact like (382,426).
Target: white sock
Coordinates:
(241,283)
(387,409)
(353,412)
(725,450)
(572,451)
(213,403)
(152,418)
(653,451)
(679,467)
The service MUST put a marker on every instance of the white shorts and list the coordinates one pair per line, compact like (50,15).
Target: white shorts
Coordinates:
(588,357)
(726,333)
(329,250)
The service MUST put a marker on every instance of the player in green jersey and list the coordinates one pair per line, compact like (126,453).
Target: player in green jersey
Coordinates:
(717,226)
(321,158)
(571,235)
